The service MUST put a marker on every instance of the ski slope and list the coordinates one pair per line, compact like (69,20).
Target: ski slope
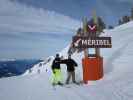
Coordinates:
(117,83)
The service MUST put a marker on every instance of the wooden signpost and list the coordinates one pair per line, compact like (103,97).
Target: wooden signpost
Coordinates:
(92,63)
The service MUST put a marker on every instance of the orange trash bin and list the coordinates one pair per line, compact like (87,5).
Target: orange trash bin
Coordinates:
(92,68)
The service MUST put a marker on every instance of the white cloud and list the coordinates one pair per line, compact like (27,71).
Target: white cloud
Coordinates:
(126,1)
(18,18)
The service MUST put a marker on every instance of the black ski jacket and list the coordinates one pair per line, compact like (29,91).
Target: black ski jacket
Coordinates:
(56,63)
(70,64)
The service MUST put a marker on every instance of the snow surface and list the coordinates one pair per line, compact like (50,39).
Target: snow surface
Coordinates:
(117,83)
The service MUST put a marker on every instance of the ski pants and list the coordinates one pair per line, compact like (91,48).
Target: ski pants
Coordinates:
(57,76)
(69,75)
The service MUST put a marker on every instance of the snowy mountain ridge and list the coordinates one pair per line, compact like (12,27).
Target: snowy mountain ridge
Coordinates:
(113,33)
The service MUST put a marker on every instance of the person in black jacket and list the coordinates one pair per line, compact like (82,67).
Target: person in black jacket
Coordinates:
(71,64)
(57,76)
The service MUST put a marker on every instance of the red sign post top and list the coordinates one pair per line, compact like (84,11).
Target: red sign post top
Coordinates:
(91,28)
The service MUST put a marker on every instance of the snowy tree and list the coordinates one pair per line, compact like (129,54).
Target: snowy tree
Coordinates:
(132,13)
(110,27)
(120,22)
(101,24)
(125,19)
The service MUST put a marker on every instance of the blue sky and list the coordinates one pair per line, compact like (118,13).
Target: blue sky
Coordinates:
(110,10)
(40,28)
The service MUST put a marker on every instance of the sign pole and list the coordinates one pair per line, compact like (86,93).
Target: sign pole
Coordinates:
(85,34)
(97,50)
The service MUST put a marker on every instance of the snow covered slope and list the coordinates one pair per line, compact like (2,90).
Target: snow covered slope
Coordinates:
(117,83)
